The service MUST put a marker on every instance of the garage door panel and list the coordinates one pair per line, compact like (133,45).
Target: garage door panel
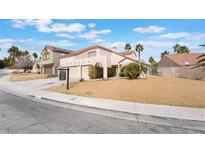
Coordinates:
(85,72)
(48,69)
(74,72)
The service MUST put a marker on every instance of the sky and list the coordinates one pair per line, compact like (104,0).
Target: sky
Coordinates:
(155,35)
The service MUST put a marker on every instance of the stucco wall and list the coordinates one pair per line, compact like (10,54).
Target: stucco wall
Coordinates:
(183,72)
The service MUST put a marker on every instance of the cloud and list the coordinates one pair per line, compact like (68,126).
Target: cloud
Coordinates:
(47,26)
(57,43)
(118,44)
(97,40)
(160,44)
(65,35)
(26,40)
(74,27)
(94,33)
(183,35)
(6,43)
(154,48)
(91,25)
(41,24)
(149,29)
(6,40)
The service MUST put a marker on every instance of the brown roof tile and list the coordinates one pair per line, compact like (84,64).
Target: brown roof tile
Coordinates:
(184,59)
(56,49)
(101,47)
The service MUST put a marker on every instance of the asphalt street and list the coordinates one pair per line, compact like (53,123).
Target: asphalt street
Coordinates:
(20,115)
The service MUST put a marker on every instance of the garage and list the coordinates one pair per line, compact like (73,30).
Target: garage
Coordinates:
(85,72)
(48,69)
(74,72)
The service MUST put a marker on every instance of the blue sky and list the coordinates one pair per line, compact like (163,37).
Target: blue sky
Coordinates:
(155,35)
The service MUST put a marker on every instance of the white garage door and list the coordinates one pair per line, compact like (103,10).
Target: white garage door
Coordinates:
(74,73)
(85,72)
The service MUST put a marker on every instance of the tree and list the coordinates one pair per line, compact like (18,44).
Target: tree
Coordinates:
(139,48)
(23,62)
(14,52)
(25,53)
(128,47)
(132,70)
(2,64)
(179,49)
(35,56)
(151,60)
(200,62)
(164,53)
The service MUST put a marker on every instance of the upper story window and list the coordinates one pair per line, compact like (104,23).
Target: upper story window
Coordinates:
(46,56)
(92,54)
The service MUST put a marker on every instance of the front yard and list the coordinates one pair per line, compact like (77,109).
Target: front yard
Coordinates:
(26,76)
(155,90)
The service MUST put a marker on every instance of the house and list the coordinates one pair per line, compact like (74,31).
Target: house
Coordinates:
(79,61)
(50,59)
(180,65)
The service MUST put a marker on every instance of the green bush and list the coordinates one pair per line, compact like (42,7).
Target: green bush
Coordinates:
(95,72)
(111,72)
(122,74)
(132,70)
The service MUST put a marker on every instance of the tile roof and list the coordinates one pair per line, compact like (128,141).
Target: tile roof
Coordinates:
(101,47)
(183,59)
(56,49)
(126,52)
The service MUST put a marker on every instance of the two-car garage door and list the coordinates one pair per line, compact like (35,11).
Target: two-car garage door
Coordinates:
(75,72)
(48,69)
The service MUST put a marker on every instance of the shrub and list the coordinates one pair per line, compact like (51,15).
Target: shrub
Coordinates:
(81,80)
(122,74)
(95,72)
(111,71)
(91,72)
(99,72)
(132,70)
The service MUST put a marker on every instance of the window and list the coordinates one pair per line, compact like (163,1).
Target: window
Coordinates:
(46,56)
(92,54)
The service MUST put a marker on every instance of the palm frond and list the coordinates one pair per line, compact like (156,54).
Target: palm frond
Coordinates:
(203,55)
(199,65)
(201,60)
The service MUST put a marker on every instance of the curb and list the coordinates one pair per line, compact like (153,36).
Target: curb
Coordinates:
(174,122)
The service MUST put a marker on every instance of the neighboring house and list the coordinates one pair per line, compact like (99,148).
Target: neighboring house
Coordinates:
(50,59)
(78,62)
(180,65)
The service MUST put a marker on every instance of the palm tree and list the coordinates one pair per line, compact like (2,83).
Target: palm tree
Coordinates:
(128,47)
(14,53)
(139,48)
(35,56)
(179,49)
(201,60)
(164,53)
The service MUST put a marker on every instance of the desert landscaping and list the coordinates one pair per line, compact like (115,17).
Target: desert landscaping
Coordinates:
(154,90)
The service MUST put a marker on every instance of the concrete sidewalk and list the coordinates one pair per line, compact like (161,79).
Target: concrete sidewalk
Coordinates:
(34,88)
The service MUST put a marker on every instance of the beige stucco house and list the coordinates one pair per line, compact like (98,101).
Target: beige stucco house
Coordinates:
(50,59)
(79,61)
